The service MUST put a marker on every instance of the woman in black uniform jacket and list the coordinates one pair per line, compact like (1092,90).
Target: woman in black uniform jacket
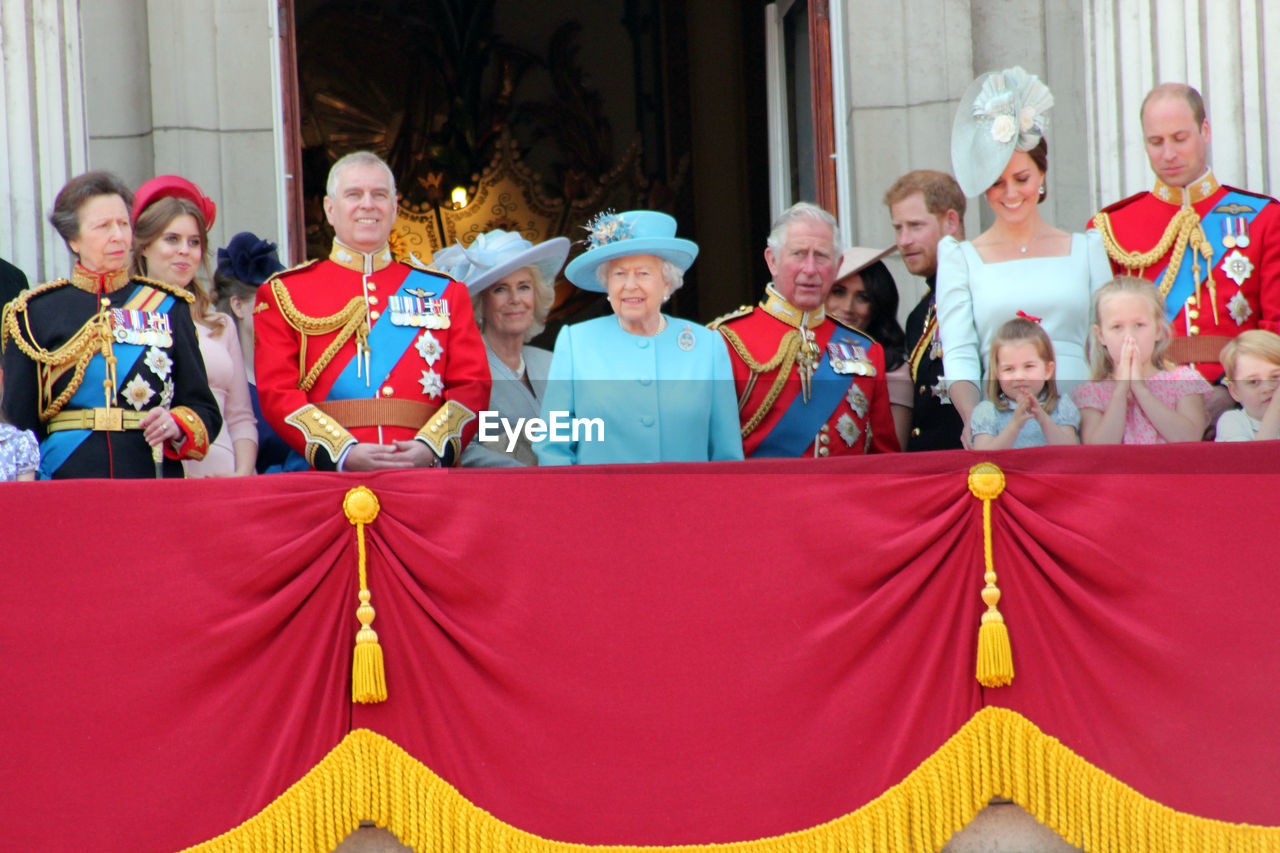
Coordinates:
(106,369)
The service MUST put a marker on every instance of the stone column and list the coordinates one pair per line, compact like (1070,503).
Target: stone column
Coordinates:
(43,142)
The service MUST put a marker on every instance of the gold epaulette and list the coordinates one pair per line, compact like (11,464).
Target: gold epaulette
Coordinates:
(18,306)
(291,270)
(849,328)
(732,315)
(180,292)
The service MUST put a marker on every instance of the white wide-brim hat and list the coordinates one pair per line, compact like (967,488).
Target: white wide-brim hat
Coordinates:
(1000,112)
(855,259)
(496,254)
(621,235)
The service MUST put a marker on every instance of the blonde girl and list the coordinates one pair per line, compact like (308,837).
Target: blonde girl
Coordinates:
(1022,407)
(1138,396)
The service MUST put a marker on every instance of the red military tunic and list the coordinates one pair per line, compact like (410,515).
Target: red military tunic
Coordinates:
(311,325)
(772,336)
(1245,263)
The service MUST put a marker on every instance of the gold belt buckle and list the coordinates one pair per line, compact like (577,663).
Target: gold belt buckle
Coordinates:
(109,419)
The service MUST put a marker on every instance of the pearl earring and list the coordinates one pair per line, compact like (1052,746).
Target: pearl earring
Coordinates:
(1042,189)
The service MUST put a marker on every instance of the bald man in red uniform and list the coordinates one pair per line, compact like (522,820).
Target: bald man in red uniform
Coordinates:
(364,363)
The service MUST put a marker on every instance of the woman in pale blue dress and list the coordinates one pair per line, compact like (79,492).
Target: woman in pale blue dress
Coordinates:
(660,388)
(1020,263)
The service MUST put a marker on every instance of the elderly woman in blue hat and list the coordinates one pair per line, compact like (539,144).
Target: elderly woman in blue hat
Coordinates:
(511,282)
(639,385)
(1021,263)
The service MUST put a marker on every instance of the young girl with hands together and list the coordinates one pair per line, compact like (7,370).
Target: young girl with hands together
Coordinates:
(1022,408)
(1137,396)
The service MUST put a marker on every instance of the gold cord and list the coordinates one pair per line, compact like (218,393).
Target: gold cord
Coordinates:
(350,320)
(784,359)
(1183,230)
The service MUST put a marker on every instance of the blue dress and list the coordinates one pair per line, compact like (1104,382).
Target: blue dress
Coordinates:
(988,420)
(976,298)
(666,398)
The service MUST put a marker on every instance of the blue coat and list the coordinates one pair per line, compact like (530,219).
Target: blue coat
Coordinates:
(666,398)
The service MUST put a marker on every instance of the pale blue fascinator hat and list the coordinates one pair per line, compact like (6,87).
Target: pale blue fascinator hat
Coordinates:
(496,254)
(1001,112)
(620,235)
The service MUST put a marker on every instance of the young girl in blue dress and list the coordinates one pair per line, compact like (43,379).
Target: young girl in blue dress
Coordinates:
(1022,407)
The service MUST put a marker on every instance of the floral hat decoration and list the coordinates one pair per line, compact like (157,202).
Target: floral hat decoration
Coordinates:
(1001,112)
(496,254)
(620,235)
(249,259)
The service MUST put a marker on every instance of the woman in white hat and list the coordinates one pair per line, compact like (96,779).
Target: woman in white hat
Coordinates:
(865,297)
(1020,263)
(649,387)
(511,282)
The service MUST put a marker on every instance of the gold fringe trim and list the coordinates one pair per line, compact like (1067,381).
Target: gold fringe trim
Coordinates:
(368,678)
(995,655)
(997,753)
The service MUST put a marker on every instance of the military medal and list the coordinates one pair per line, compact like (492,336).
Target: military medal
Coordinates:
(1237,267)
(144,328)
(857,400)
(419,311)
(1239,308)
(1242,232)
(850,359)
(686,341)
(1228,233)
(429,348)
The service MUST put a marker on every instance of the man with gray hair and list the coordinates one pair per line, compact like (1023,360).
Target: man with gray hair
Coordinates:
(364,363)
(808,386)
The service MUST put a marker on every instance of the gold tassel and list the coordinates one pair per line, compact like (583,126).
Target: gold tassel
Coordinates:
(368,678)
(995,655)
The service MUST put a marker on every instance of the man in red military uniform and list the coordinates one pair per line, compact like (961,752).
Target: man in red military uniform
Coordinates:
(1213,250)
(364,363)
(807,385)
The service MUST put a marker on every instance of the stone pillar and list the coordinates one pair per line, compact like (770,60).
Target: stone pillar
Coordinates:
(1218,48)
(905,67)
(43,142)
(190,89)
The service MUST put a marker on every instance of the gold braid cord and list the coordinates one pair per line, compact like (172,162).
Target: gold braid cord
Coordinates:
(784,359)
(1183,230)
(997,753)
(93,337)
(350,320)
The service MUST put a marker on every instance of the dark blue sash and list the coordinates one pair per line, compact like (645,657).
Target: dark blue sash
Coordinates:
(1184,285)
(57,447)
(388,343)
(799,424)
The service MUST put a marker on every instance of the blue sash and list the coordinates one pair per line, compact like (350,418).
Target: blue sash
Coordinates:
(57,447)
(1184,285)
(388,343)
(799,424)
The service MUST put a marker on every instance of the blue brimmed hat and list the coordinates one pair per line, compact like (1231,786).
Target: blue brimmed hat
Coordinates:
(1000,112)
(620,235)
(496,254)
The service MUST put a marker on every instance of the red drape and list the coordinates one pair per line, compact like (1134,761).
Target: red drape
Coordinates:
(635,655)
